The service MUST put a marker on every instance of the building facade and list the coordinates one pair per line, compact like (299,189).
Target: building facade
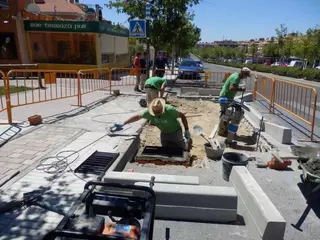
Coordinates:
(61,34)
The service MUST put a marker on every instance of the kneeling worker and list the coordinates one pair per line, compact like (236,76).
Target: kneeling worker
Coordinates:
(154,88)
(229,91)
(165,117)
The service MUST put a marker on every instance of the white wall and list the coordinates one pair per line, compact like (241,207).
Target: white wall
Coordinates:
(108,43)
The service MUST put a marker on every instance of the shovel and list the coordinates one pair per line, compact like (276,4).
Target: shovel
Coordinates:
(198,131)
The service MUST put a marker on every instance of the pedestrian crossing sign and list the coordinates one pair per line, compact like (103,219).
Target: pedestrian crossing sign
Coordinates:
(138,28)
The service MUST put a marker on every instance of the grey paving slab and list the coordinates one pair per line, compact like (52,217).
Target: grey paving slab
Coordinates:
(103,117)
(29,153)
(61,189)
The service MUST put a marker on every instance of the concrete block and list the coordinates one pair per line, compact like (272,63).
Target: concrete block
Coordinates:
(208,91)
(247,97)
(133,177)
(195,203)
(188,90)
(254,117)
(260,215)
(279,133)
(127,151)
(188,213)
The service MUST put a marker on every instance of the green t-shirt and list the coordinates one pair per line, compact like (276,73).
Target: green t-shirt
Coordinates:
(234,80)
(167,122)
(156,82)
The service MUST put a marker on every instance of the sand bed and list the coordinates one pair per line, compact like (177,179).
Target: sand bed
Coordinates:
(202,113)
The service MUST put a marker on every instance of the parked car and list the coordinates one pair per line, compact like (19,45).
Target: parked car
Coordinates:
(278,64)
(190,69)
(296,63)
(318,67)
(248,61)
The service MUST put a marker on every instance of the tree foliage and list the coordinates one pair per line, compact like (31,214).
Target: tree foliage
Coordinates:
(171,21)
(306,46)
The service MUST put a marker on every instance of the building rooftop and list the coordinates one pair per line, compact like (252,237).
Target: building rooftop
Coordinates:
(59,6)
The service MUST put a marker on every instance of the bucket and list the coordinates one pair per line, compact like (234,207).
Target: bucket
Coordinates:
(231,159)
(213,153)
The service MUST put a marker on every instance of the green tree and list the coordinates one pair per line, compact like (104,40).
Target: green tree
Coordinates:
(167,16)
(271,50)
(282,33)
(253,49)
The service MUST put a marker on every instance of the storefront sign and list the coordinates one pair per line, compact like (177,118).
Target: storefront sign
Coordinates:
(57,26)
(76,26)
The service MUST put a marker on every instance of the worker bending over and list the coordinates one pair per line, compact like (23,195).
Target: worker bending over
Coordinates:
(154,88)
(228,92)
(165,117)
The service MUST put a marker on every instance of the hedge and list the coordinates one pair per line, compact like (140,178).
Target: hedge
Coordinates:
(308,74)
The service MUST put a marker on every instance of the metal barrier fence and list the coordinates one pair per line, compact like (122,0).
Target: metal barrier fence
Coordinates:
(94,79)
(296,99)
(35,86)
(264,88)
(3,91)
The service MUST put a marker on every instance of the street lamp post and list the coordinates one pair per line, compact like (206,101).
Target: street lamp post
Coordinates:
(148,18)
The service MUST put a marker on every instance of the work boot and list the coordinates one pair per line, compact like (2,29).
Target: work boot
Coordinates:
(136,89)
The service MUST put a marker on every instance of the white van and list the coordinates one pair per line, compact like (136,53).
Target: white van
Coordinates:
(296,63)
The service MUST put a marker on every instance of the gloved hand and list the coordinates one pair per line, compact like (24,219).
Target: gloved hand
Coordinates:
(118,125)
(187,134)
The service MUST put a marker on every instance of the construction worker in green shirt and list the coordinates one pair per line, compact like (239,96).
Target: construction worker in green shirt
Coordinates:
(154,88)
(165,117)
(228,92)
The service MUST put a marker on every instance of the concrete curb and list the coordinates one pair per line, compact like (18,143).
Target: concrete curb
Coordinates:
(135,177)
(195,203)
(279,133)
(127,150)
(261,216)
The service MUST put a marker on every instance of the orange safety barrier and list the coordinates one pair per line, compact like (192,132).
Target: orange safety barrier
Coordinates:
(298,100)
(216,79)
(127,76)
(264,88)
(183,78)
(3,91)
(94,79)
(27,86)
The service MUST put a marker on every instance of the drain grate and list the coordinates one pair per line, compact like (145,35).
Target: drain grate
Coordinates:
(97,163)
(169,152)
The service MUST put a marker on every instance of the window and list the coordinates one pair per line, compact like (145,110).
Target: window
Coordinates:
(8,46)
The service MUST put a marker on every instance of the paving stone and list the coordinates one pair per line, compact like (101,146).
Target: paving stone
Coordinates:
(14,160)
(12,165)
(15,155)
(31,152)
(19,150)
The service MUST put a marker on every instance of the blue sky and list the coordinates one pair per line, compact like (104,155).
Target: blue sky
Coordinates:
(243,19)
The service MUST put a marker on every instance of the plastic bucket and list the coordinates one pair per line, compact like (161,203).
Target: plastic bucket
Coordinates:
(231,159)
(214,154)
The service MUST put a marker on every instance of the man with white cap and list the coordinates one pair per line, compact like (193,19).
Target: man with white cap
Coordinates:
(165,117)
(228,92)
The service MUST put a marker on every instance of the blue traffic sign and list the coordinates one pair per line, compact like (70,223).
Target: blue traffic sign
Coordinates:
(138,28)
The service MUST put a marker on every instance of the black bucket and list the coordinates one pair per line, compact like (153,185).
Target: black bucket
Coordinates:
(231,159)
